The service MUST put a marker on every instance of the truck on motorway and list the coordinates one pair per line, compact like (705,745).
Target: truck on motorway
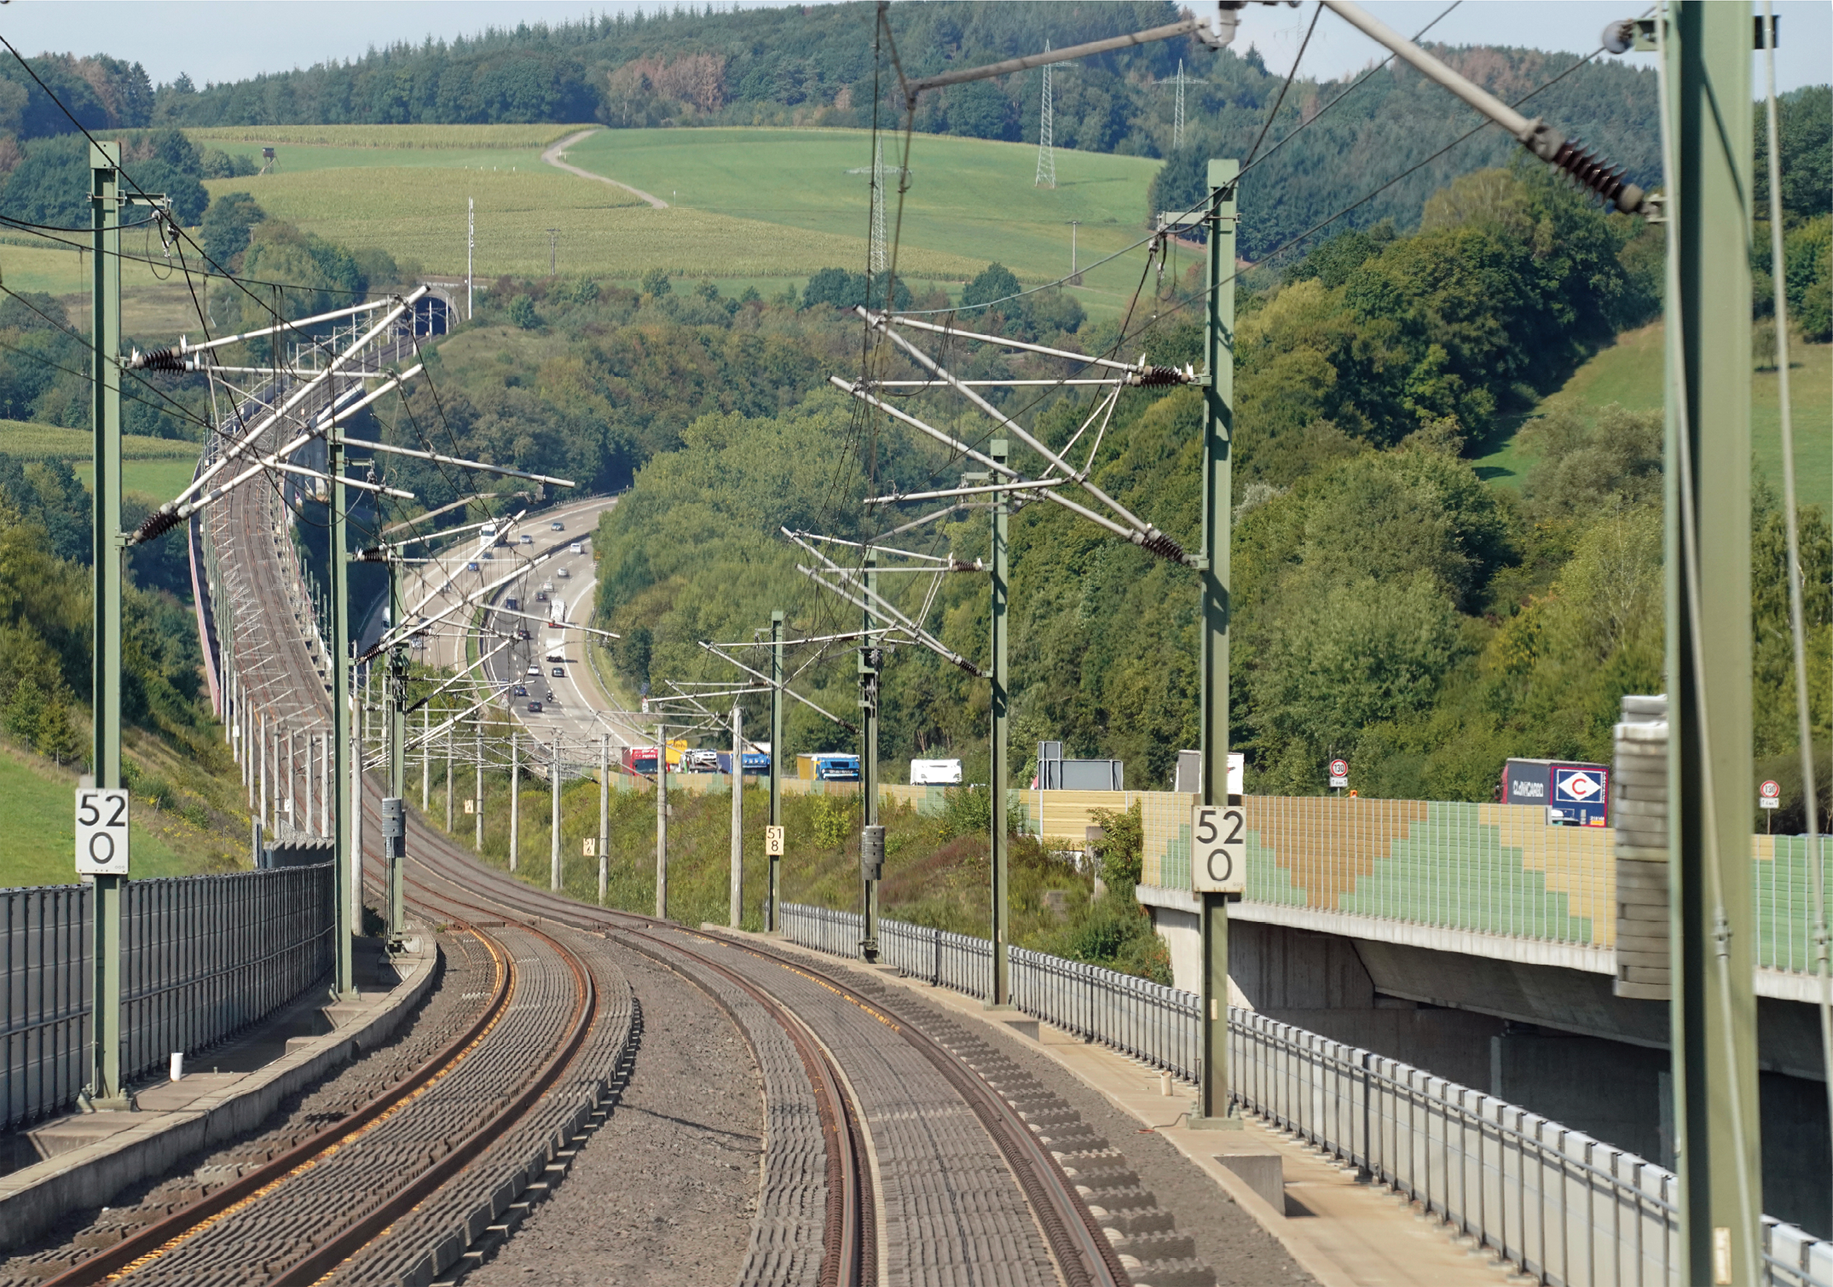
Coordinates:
(828,766)
(556,647)
(642,759)
(754,761)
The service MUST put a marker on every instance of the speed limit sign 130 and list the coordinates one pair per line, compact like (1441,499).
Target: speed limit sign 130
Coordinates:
(101,832)
(1218,849)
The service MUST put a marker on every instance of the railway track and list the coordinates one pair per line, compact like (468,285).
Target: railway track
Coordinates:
(1077,1248)
(878,1153)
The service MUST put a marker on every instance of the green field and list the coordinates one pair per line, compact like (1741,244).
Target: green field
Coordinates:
(38,834)
(747,207)
(1631,373)
(158,467)
(385,136)
(965,197)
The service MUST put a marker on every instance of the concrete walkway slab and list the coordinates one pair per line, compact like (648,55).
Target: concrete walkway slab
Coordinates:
(87,1158)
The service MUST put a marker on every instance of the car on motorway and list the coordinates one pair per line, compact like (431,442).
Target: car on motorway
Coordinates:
(577,547)
(541,596)
(534,708)
(522,633)
(520,690)
(512,603)
(534,670)
(471,566)
(558,672)
(564,572)
(527,539)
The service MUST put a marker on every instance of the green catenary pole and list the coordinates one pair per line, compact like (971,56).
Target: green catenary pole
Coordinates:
(397,758)
(661,822)
(999,995)
(105,220)
(345,854)
(1218,438)
(1713,1011)
(868,756)
(774,887)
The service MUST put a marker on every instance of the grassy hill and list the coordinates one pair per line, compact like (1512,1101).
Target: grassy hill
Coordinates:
(186,818)
(160,467)
(753,206)
(1632,373)
(966,197)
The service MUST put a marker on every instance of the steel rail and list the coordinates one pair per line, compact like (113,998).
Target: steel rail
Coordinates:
(326,1256)
(1082,1251)
(850,1256)
(155,1240)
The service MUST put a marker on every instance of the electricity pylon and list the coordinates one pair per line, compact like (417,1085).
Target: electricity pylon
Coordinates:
(1177,121)
(880,258)
(1046,156)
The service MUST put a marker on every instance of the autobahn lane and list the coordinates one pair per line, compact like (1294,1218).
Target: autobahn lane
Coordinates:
(572,705)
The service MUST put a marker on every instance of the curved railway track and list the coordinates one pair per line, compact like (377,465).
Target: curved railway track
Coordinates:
(876,1151)
(1081,1252)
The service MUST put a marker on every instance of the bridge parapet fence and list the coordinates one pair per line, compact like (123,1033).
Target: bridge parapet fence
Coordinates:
(1560,1206)
(203,957)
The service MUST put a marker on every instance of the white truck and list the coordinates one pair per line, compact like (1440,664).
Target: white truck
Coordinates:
(556,647)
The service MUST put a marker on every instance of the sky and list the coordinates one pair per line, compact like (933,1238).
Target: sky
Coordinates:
(218,40)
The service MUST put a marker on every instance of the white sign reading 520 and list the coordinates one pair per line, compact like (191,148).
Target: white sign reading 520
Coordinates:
(101,832)
(1218,849)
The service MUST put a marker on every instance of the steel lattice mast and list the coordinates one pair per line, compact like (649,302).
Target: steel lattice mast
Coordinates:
(1046,156)
(880,257)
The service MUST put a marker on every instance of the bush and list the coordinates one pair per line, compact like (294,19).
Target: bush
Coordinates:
(522,313)
(966,811)
(1122,847)
(1816,312)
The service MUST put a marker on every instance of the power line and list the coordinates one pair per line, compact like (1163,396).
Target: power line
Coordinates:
(1267,124)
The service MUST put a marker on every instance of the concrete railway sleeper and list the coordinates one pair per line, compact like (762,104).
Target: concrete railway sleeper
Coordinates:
(318,1205)
(1079,1249)
(787,1247)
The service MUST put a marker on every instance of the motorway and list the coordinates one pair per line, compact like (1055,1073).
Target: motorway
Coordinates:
(579,710)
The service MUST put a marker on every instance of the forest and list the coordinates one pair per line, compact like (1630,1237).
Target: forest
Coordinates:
(816,66)
(1391,606)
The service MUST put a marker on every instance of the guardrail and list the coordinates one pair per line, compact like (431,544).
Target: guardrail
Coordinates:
(1557,1204)
(202,958)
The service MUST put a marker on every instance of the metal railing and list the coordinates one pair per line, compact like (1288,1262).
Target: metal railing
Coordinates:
(1559,1205)
(202,958)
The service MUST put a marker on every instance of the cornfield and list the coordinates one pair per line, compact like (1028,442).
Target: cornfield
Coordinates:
(390,136)
(24,440)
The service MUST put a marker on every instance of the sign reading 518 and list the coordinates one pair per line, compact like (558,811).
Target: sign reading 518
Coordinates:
(101,832)
(1218,849)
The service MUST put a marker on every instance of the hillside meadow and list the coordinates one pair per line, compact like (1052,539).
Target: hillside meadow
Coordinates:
(1631,374)
(159,467)
(965,196)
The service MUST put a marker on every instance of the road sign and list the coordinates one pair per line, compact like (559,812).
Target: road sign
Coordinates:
(591,849)
(773,842)
(1339,774)
(1218,849)
(101,832)
(470,806)
(1769,795)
